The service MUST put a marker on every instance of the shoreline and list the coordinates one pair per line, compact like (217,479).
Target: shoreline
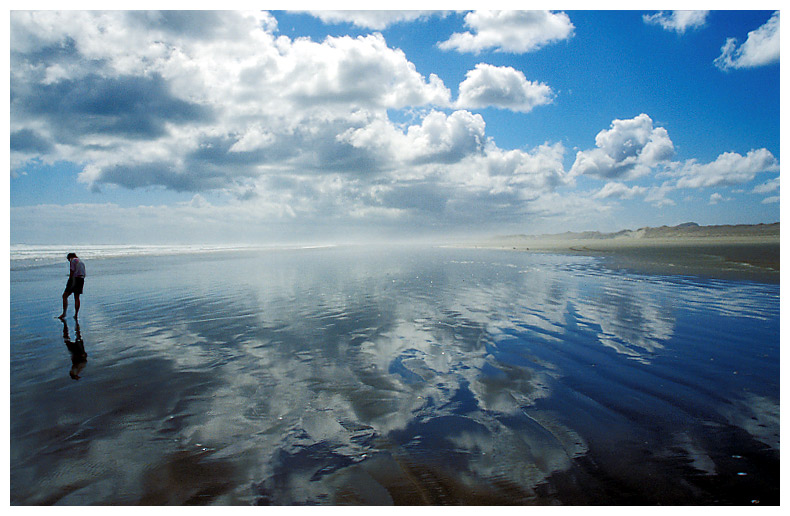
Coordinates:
(747,258)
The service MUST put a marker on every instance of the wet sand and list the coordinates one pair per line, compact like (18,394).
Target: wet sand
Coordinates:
(350,376)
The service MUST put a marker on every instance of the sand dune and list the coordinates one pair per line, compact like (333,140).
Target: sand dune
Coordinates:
(728,251)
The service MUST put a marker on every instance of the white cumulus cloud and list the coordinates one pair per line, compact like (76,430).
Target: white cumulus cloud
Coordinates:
(371,19)
(628,150)
(502,87)
(761,48)
(360,71)
(619,191)
(678,21)
(510,31)
(716,198)
(729,168)
(526,175)
(439,138)
(768,186)
(657,195)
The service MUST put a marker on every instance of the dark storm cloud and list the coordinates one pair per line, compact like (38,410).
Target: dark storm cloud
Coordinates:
(28,140)
(421,196)
(164,174)
(333,156)
(217,151)
(64,52)
(312,147)
(128,106)
(142,175)
(211,165)
(201,24)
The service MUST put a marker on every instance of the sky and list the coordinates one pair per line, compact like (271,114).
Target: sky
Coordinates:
(268,127)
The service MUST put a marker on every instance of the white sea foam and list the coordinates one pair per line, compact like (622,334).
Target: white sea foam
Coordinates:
(25,256)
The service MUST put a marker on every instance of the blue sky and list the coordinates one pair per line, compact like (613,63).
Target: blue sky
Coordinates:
(270,127)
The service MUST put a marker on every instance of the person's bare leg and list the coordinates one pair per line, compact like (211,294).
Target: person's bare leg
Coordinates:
(65,306)
(76,305)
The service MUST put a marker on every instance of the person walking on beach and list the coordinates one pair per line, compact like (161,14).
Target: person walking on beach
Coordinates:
(74,285)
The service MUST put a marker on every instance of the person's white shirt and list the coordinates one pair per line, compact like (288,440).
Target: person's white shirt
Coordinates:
(78,268)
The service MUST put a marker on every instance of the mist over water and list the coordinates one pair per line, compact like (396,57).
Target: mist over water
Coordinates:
(392,375)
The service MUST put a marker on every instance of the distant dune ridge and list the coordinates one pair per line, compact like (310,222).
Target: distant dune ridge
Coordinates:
(688,230)
(742,251)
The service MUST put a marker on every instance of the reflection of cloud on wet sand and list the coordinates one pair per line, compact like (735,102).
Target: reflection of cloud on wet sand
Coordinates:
(412,366)
(420,356)
(632,318)
(699,458)
(632,321)
(526,452)
(758,415)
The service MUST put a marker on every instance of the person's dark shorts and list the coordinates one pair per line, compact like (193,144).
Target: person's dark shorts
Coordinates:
(74,286)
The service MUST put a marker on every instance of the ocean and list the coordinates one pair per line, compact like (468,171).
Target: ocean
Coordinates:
(387,375)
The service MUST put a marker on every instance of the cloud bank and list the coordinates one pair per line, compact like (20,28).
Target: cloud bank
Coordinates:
(290,130)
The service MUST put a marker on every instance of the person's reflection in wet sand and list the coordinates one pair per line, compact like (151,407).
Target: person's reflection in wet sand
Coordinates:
(79,358)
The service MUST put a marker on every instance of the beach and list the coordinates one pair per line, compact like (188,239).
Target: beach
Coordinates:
(390,376)
(510,257)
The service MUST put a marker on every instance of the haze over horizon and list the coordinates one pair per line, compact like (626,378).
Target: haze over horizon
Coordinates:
(334,126)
